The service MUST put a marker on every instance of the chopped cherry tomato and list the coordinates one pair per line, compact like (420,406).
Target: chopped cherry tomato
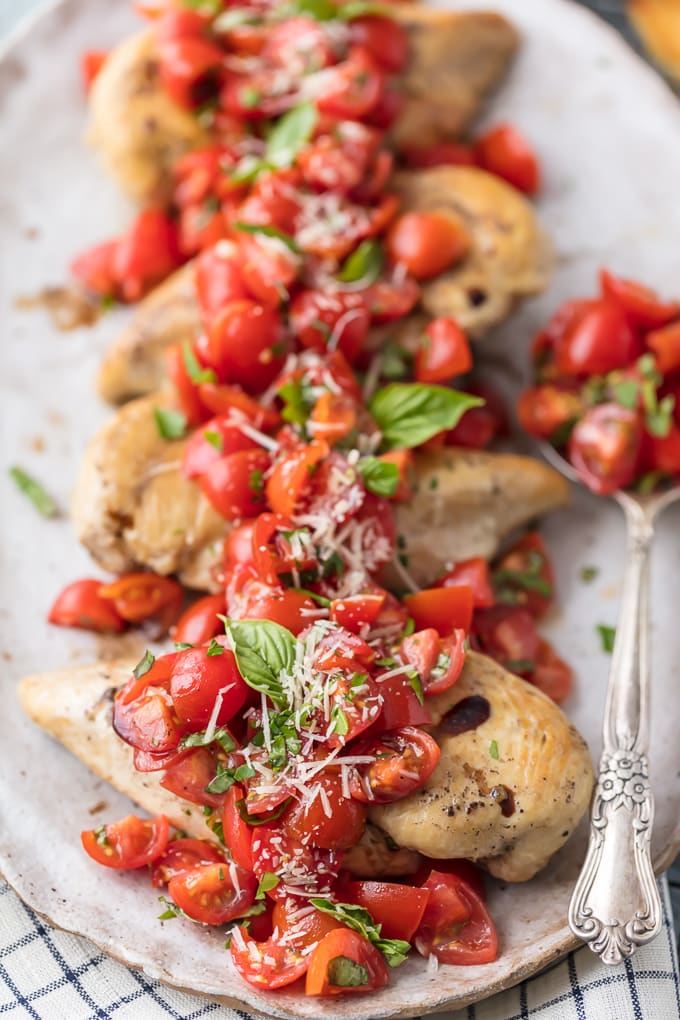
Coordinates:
(544,411)
(351,89)
(443,352)
(599,340)
(91,63)
(404,760)
(221,399)
(187,391)
(552,675)
(504,152)
(130,843)
(398,909)
(189,774)
(389,301)
(384,38)
(665,451)
(339,320)
(333,417)
(279,548)
(234,484)
(479,425)
(81,605)
(465,870)
(300,45)
(345,961)
(183,855)
(303,930)
(285,606)
(401,706)
(199,679)
(405,463)
(356,611)
(438,661)
(94,269)
(246,344)
(427,243)
(291,476)
(266,965)
(642,305)
(199,622)
(238,836)
(326,818)
(213,893)
(189,69)
(508,634)
(445,609)
(218,279)
(148,723)
(524,576)
(146,254)
(215,439)
(604,447)
(456,926)
(138,597)
(421,157)
(310,870)
(474,574)
(665,343)
(269,267)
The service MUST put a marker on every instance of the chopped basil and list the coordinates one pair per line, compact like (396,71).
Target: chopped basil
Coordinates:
(380,476)
(222,736)
(225,777)
(144,665)
(409,628)
(520,665)
(506,580)
(359,920)
(170,424)
(589,573)
(266,231)
(194,370)
(181,646)
(215,648)
(215,439)
(343,972)
(340,721)
(647,483)
(255,820)
(321,10)
(416,685)
(234,18)
(659,418)
(172,910)
(626,393)
(290,133)
(268,881)
(256,482)
(409,414)
(100,836)
(362,9)
(263,650)
(395,361)
(320,600)
(298,401)
(249,97)
(40,499)
(607,636)
(493,750)
(364,264)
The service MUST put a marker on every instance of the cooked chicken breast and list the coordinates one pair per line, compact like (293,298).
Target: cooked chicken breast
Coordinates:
(456,60)
(132,507)
(509,258)
(542,762)
(506,794)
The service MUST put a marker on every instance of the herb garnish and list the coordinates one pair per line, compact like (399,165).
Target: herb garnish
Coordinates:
(40,499)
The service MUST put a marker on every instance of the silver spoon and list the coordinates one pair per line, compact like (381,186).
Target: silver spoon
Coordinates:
(615,906)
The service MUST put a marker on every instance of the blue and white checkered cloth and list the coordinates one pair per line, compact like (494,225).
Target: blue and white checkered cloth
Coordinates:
(52,975)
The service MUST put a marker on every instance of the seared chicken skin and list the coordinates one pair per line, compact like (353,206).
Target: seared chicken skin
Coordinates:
(133,507)
(509,259)
(543,769)
(507,793)
(457,59)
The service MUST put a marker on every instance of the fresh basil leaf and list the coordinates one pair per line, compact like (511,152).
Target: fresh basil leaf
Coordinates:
(589,573)
(222,736)
(222,781)
(626,393)
(416,685)
(207,7)
(365,263)
(268,881)
(380,477)
(263,650)
(340,721)
(607,636)
(344,972)
(290,133)
(172,910)
(170,424)
(194,370)
(363,8)
(395,951)
(395,361)
(181,646)
(249,97)
(144,665)
(255,820)
(40,499)
(215,439)
(234,18)
(258,228)
(649,482)
(493,750)
(215,648)
(660,418)
(409,414)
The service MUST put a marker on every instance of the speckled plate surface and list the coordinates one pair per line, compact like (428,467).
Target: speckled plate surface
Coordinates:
(609,135)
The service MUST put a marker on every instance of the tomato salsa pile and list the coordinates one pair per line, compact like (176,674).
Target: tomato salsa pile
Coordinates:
(608,386)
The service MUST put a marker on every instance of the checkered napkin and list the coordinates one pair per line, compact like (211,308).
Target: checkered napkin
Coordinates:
(51,975)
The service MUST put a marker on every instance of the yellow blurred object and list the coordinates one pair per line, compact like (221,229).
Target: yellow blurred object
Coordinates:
(657,22)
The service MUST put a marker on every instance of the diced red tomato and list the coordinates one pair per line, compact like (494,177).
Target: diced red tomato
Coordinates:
(189,69)
(665,345)
(217,438)
(81,605)
(404,760)
(665,452)
(465,870)
(508,634)
(341,317)
(552,674)
(545,410)
(443,352)
(598,340)
(269,267)
(183,855)
(333,417)
(146,254)
(388,301)
(291,477)
(357,611)
(190,774)
(140,596)
(309,821)
(266,965)
(421,157)
(438,661)
(300,45)
(199,679)
(246,344)
(445,609)
(213,893)
(187,390)
(401,707)
(352,88)
(604,447)
(220,399)
(234,485)
(384,38)
(473,574)
(642,305)
(397,908)
(276,852)
(301,931)
(284,606)
(503,151)
(427,243)
(525,577)
(91,63)
(200,622)
(130,843)
(94,269)
(218,279)
(345,961)
(456,926)
(238,836)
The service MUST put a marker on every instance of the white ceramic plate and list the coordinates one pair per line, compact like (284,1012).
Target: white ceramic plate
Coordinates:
(609,135)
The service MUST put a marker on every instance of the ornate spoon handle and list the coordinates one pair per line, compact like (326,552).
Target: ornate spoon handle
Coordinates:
(615,906)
